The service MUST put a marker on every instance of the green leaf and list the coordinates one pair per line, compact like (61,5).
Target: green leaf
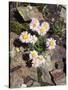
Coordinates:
(39,46)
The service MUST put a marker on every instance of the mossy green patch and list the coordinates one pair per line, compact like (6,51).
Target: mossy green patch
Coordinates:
(17,27)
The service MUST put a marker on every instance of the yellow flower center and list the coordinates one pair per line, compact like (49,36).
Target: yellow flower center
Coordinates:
(42,30)
(25,36)
(41,58)
(51,43)
(35,63)
(34,25)
(34,55)
(45,26)
(47,62)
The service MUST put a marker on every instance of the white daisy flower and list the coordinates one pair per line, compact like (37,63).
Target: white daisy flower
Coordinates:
(51,43)
(34,24)
(46,26)
(25,37)
(35,62)
(43,29)
(33,54)
(34,39)
(42,59)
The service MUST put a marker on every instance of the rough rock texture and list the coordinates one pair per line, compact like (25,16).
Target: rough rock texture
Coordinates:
(59,53)
(20,74)
(18,69)
(52,73)
(15,79)
(17,58)
(35,84)
(28,12)
(63,14)
(59,77)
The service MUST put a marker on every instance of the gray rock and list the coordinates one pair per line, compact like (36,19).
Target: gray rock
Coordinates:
(12,52)
(29,83)
(12,37)
(61,82)
(17,60)
(59,53)
(28,12)
(58,77)
(15,80)
(60,64)
(16,57)
(35,84)
(46,78)
(24,73)
(29,72)
(63,14)
(49,64)
(18,66)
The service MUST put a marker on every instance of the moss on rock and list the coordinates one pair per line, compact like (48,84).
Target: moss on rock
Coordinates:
(17,27)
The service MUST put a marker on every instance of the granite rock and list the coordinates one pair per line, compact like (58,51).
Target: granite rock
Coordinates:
(28,12)
(58,76)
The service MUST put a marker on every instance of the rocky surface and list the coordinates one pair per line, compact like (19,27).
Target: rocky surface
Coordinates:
(28,12)
(18,69)
(58,76)
(52,73)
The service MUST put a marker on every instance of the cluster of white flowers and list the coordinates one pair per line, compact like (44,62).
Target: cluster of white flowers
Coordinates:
(37,60)
(26,37)
(40,29)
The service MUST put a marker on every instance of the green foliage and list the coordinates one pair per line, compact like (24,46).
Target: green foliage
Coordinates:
(25,26)
(58,32)
(17,27)
(40,45)
(57,27)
